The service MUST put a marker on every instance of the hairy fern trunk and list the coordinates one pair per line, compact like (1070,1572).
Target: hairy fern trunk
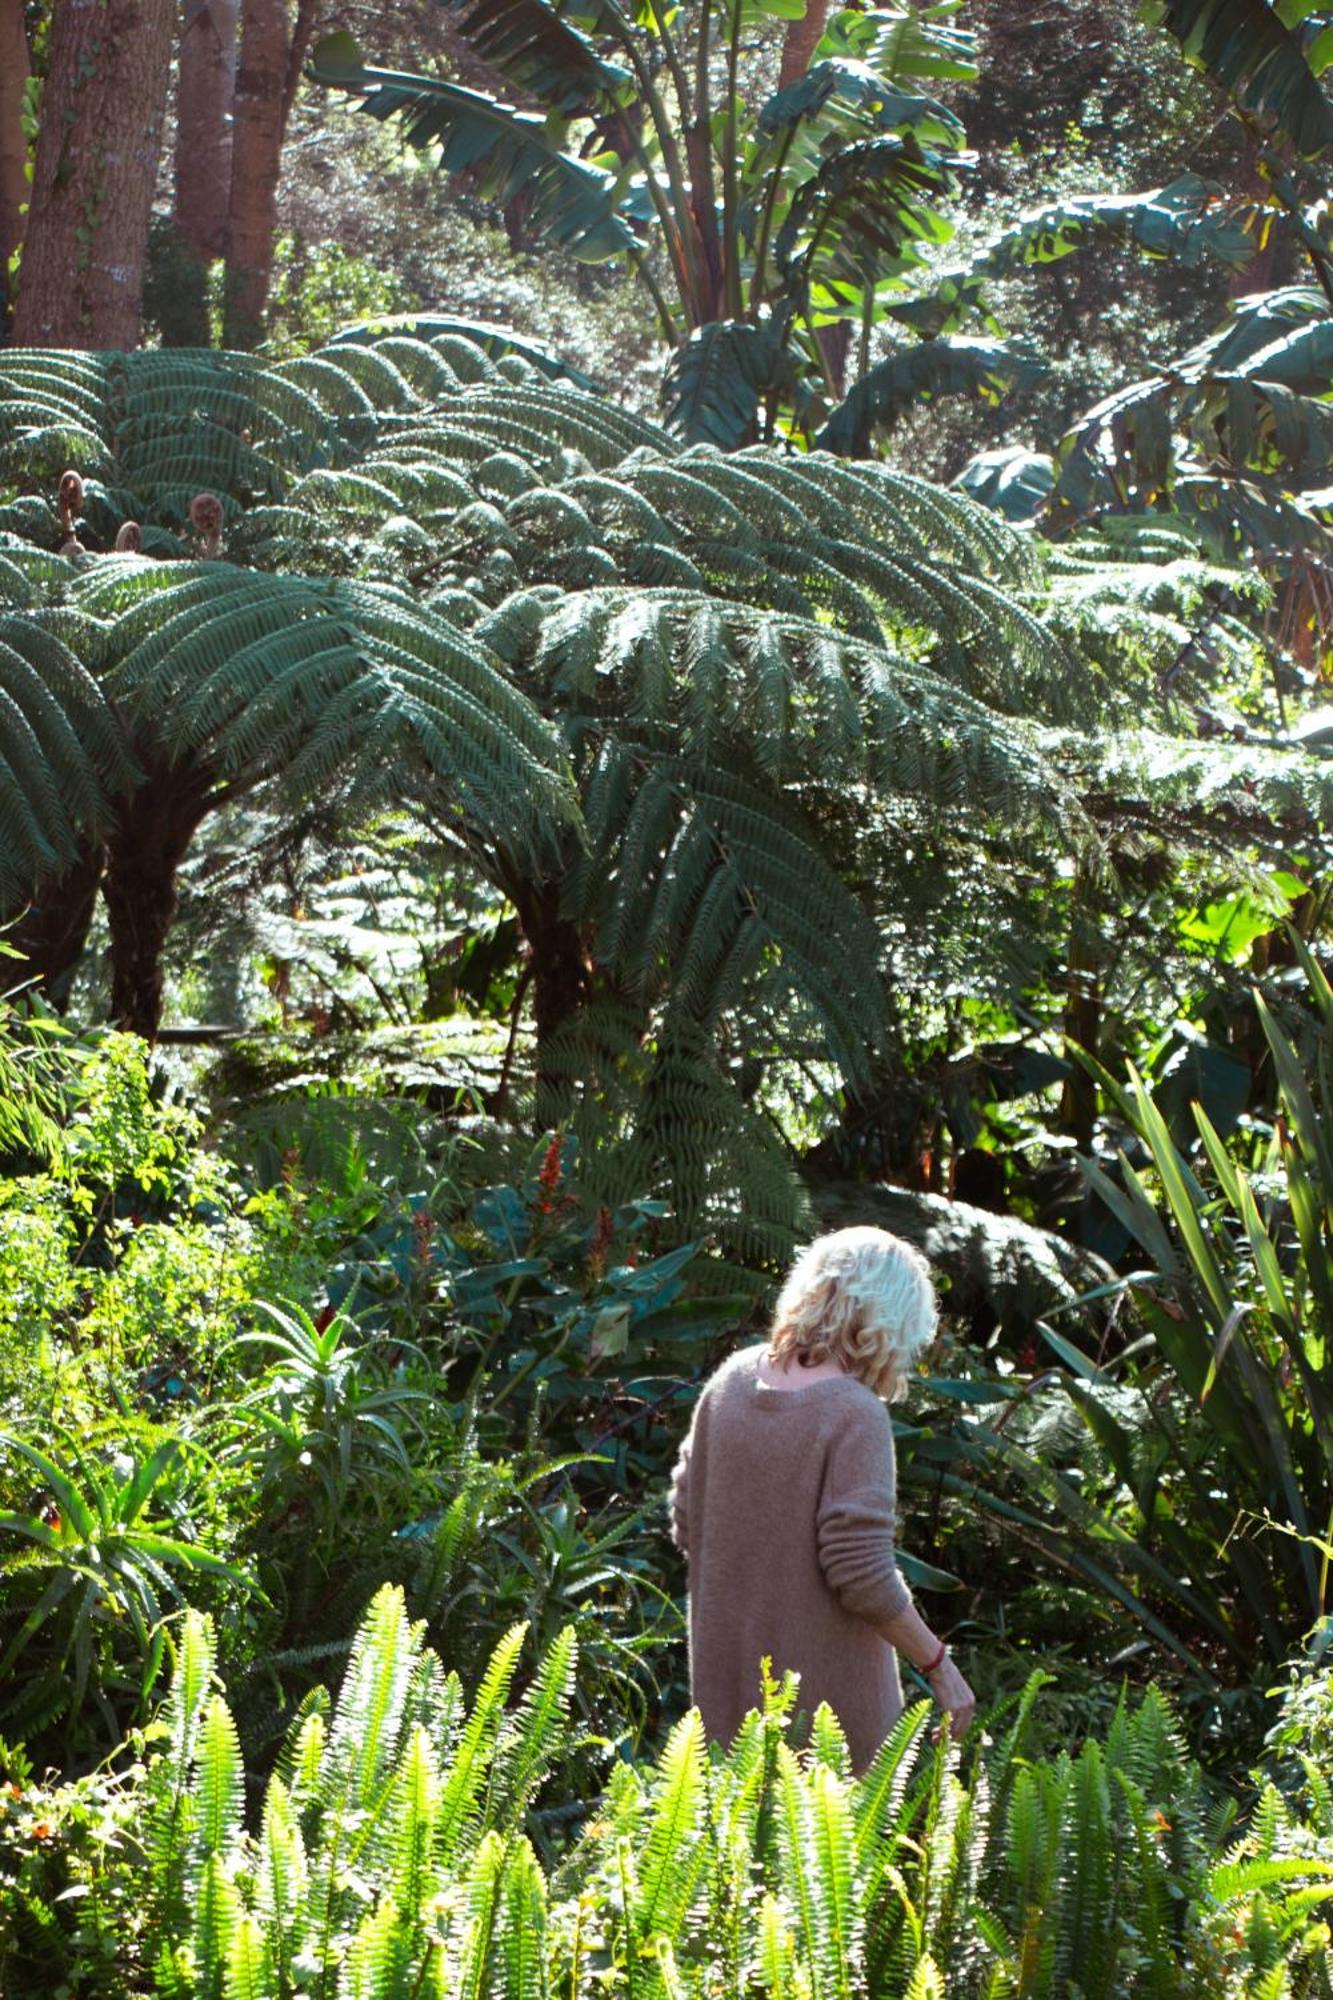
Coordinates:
(53,930)
(143,855)
(562,970)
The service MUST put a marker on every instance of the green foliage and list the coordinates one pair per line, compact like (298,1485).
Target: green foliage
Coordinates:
(400,1848)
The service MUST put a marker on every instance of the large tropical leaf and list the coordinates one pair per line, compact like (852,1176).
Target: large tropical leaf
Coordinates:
(540,50)
(715,382)
(860,218)
(853,99)
(1245,46)
(1189,220)
(504,150)
(952,366)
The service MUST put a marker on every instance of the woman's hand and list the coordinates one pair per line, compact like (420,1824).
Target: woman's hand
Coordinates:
(954,1696)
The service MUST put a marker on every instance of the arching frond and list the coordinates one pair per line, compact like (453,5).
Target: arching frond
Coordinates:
(322,684)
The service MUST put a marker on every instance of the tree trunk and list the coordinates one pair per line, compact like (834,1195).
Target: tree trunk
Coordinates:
(97,150)
(13,144)
(562,980)
(198,230)
(798,44)
(145,851)
(261,82)
(203,126)
(53,930)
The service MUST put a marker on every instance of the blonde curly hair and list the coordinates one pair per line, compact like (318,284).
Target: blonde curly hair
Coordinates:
(860,1297)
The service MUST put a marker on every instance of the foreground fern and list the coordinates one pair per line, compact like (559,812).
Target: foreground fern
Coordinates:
(393,1856)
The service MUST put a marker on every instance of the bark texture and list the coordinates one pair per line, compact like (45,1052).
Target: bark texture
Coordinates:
(52,931)
(203,125)
(261,87)
(13,146)
(798,44)
(143,855)
(97,151)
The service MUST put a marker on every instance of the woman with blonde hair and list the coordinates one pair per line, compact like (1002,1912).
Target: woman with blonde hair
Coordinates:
(782,1499)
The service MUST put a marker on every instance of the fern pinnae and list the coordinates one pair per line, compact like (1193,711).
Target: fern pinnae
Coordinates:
(833,1846)
(221,1783)
(672,1852)
(218,1915)
(468,1772)
(523,1931)
(532,1734)
(282,1882)
(484,1902)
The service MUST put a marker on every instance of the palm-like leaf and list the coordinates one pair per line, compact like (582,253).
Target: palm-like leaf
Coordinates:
(949,366)
(577,204)
(1246,46)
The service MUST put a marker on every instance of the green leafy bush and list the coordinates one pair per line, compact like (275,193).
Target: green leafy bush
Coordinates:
(400,1848)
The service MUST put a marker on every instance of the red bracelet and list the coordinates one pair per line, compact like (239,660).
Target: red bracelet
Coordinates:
(931,1665)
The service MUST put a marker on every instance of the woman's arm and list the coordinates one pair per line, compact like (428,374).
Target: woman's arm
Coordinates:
(913,1638)
(855,1531)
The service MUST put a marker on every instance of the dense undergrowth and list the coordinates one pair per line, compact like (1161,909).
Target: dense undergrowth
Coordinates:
(400,1848)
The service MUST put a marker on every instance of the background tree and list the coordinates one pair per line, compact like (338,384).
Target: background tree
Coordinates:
(272,54)
(103,105)
(13,139)
(205,90)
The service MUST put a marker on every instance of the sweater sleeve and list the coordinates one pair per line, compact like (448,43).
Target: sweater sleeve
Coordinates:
(680,1496)
(855,1523)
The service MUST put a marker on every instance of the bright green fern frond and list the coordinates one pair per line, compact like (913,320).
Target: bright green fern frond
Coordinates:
(672,1853)
(220,1779)
(464,1782)
(523,1947)
(532,1735)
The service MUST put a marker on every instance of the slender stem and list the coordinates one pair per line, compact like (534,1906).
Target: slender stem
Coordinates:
(685,242)
(699,150)
(770,207)
(867,317)
(524,979)
(644,273)
(730,232)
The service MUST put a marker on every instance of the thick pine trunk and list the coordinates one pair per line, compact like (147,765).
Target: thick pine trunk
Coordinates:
(108,67)
(203,126)
(53,930)
(204,92)
(261,86)
(151,839)
(13,145)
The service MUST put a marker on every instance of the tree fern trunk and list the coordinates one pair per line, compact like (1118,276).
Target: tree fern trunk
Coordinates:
(261,80)
(52,932)
(562,975)
(13,145)
(149,844)
(92,193)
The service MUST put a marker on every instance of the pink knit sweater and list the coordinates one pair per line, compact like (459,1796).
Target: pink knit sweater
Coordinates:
(783,1500)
